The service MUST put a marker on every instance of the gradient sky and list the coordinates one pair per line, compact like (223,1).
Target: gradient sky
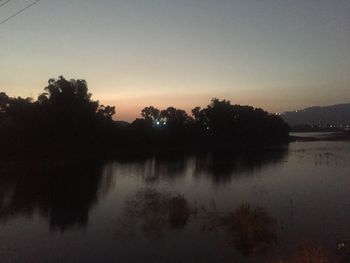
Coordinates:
(275,54)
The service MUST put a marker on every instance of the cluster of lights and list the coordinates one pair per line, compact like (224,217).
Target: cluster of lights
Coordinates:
(159,123)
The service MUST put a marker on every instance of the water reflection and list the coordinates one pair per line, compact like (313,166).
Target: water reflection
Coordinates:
(153,168)
(154,212)
(222,166)
(165,204)
(63,193)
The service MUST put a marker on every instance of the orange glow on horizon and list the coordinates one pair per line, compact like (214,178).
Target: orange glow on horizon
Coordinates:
(128,109)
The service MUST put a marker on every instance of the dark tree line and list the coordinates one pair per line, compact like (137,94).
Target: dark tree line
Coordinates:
(65,118)
(219,123)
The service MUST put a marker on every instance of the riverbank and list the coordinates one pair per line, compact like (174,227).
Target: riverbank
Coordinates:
(320,136)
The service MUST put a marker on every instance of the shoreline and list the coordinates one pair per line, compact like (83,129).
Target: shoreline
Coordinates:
(327,136)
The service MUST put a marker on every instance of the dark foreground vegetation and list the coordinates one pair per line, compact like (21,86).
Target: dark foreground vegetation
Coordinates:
(64,119)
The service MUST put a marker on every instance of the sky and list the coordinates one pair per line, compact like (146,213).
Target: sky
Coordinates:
(275,54)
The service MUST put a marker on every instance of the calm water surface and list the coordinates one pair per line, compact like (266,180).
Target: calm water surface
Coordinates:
(249,207)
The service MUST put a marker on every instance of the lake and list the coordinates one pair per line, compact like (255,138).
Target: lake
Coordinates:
(254,206)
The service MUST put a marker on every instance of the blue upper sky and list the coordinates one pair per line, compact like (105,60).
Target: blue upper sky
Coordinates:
(275,54)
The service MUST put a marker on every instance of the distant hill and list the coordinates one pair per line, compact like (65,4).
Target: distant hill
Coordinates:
(121,124)
(338,115)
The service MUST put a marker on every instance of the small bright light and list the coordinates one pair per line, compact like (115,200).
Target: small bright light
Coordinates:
(158,122)
(208,128)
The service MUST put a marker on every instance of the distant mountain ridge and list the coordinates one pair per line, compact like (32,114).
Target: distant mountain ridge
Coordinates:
(338,115)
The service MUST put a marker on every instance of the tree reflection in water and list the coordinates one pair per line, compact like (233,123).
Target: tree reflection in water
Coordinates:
(222,166)
(61,192)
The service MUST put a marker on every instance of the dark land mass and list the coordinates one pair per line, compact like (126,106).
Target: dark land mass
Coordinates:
(64,120)
(325,118)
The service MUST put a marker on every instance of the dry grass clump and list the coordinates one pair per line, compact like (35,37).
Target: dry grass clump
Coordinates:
(307,253)
(250,229)
(156,211)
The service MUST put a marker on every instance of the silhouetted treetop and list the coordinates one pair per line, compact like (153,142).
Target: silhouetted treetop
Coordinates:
(4,101)
(175,117)
(150,113)
(73,96)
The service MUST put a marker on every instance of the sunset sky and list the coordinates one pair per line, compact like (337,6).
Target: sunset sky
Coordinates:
(275,54)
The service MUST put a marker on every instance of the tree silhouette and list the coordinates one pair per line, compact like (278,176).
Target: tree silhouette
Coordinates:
(71,98)
(4,102)
(175,117)
(217,118)
(150,114)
